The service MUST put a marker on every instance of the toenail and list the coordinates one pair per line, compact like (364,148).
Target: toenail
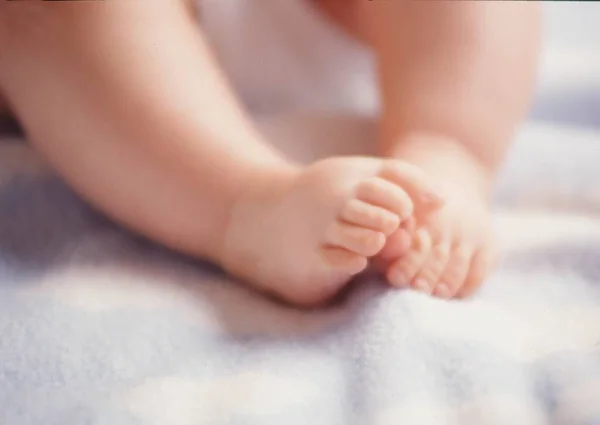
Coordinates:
(399,279)
(421,285)
(442,291)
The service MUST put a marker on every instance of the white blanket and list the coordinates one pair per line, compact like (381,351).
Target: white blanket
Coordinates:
(100,327)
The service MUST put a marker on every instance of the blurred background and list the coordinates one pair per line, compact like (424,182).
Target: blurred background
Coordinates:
(569,87)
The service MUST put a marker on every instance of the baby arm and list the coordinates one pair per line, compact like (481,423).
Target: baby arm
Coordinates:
(456,80)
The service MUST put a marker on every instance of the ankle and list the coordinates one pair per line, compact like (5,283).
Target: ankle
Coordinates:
(446,160)
(261,185)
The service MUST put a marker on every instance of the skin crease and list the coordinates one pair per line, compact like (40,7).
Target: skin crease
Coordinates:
(206,184)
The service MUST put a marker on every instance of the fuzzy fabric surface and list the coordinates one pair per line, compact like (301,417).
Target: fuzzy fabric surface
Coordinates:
(98,326)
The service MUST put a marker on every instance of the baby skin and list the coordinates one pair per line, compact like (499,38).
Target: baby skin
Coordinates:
(144,126)
(448,251)
(304,237)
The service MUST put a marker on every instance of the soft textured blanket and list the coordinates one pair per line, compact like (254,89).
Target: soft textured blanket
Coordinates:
(100,327)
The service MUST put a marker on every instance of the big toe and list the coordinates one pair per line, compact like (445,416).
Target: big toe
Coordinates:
(369,216)
(382,193)
(356,239)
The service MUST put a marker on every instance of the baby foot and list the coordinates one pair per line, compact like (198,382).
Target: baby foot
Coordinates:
(303,235)
(452,249)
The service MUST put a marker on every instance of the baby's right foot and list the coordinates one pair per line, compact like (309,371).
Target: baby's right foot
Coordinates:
(303,235)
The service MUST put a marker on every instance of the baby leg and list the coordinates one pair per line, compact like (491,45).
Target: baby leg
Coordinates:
(303,238)
(453,92)
(124,100)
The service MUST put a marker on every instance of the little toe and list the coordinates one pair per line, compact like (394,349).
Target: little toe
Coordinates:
(403,271)
(480,267)
(454,275)
(354,238)
(369,216)
(382,193)
(432,269)
(343,260)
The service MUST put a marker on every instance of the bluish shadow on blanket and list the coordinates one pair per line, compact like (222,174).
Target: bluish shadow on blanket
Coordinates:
(98,326)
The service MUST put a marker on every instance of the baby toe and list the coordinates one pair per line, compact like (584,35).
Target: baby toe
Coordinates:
(454,275)
(356,239)
(382,193)
(343,260)
(413,179)
(432,269)
(370,216)
(398,243)
(480,267)
(403,271)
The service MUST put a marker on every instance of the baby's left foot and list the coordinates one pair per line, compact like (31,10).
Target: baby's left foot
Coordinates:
(448,252)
